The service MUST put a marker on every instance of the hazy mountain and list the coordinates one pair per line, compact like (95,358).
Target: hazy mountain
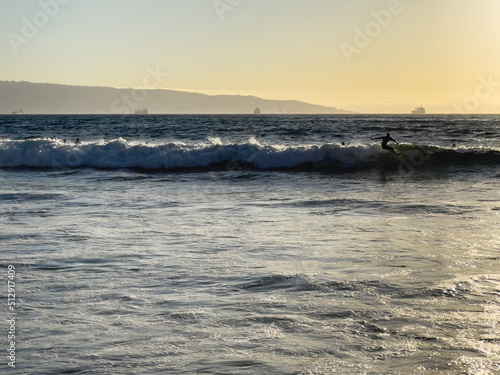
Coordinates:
(45,98)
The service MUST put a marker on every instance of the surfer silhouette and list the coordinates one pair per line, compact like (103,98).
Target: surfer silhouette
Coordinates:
(385,140)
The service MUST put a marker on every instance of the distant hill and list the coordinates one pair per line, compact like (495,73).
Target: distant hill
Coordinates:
(45,98)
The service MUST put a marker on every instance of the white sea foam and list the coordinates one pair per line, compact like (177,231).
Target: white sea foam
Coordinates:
(272,272)
(119,153)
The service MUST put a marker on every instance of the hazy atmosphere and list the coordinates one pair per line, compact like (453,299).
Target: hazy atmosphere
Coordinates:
(248,187)
(366,56)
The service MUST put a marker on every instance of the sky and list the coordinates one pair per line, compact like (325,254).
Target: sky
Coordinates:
(368,56)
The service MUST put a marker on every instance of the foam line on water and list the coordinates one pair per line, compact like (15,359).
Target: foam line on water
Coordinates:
(48,153)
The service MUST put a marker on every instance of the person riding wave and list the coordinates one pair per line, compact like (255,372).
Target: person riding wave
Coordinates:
(385,140)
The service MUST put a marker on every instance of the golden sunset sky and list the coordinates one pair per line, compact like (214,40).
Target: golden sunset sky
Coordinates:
(367,56)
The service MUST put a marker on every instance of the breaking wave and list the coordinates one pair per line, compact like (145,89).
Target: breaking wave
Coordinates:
(117,154)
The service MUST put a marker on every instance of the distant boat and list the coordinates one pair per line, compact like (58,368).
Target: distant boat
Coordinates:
(418,111)
(256,111)
(18,112)
(142,112)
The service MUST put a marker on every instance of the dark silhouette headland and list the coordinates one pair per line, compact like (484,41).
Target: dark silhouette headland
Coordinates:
(46,98)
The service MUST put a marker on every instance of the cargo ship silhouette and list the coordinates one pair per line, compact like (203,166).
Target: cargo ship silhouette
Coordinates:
(418,111)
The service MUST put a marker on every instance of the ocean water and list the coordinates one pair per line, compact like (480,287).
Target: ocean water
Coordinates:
(251,244)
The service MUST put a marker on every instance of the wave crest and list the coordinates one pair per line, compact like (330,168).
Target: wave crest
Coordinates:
(50,153)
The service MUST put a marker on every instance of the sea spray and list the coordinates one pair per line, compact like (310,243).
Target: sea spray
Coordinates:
(119,153)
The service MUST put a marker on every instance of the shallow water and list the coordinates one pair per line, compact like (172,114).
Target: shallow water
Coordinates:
(251,271)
